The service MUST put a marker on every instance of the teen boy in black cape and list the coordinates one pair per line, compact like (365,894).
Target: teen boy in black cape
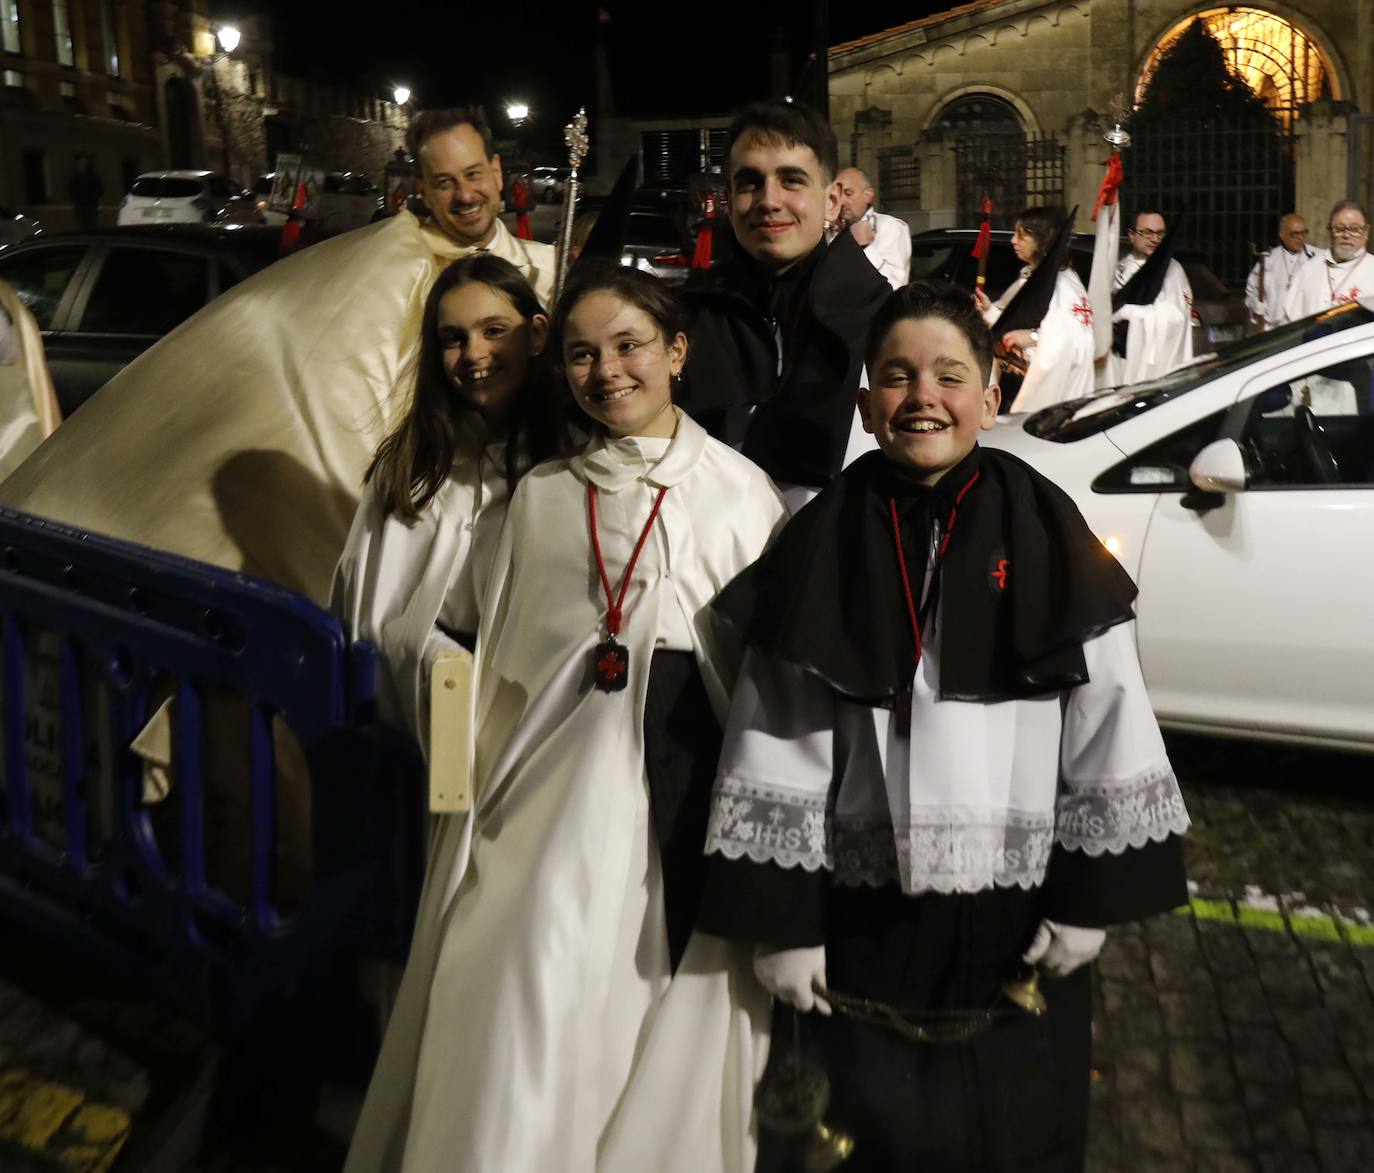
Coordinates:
(940,765)
(777,332)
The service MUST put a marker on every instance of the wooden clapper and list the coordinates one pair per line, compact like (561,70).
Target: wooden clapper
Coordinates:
(451,746)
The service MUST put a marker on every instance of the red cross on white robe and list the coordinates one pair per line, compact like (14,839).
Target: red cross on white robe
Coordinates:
(1083,311)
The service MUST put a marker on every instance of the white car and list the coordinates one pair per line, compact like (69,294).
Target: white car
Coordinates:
(1239,494)
(187,197)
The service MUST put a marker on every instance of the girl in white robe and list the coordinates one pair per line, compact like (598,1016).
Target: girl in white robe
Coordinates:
(557,1011)
(435,495)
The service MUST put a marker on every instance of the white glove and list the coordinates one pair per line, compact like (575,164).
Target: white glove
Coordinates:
(1061,949)
(793,975)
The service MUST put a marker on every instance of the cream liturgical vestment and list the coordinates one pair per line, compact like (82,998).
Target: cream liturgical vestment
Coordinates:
(241,438)
(1281,270)
(1159,336)
(540,1025)
(28,403)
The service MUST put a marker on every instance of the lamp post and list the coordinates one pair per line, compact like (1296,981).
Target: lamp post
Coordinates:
(518,113)
(228,37)
(401,94)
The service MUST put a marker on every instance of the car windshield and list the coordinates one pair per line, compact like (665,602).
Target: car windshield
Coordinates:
(166,187)
(1065,422)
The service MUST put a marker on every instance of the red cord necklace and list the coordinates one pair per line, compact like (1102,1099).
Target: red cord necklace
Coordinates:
(611,659)
(903,712)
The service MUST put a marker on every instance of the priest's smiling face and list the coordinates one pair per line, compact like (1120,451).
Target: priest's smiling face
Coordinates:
(486,344)
(620,367)
(460,185)
(780,199)
(926,401)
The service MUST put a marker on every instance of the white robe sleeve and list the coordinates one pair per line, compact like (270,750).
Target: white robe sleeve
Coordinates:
(890,251)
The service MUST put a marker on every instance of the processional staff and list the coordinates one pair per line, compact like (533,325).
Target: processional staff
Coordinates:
(575,137)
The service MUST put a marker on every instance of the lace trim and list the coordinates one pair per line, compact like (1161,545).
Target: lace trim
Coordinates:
(1118,816)
(950,849)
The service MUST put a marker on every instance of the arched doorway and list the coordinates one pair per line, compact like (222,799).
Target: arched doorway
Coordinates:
(1280,62)
(996,159)
(180,98)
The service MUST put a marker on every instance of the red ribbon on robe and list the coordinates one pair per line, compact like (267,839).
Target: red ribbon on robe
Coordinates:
(1111,185)
(983,244)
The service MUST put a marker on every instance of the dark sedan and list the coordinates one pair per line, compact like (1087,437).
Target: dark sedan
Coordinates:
(102,298)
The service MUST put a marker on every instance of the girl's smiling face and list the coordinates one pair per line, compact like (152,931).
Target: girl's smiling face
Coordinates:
(620,367)
(486,346)
(927,400)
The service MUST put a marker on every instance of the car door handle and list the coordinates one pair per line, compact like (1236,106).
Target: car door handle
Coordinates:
(1202,500)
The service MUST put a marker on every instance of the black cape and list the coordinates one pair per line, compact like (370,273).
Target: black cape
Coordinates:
(1023,583)
(795,425)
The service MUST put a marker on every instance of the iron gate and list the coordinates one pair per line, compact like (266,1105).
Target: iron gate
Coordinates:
(1014,170)
(1233,183)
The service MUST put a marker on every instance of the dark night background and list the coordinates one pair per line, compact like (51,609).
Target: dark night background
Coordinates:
(665,58)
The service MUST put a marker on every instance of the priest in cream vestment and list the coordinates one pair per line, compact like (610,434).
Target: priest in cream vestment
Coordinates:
(241,438)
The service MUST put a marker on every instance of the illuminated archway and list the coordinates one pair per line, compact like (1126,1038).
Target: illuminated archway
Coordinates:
(1281,63)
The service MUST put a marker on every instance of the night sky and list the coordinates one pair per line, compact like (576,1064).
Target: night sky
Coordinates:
(665,58)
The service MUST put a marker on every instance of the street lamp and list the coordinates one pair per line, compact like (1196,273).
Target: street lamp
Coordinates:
(402,95)
(228,37)
(517,112)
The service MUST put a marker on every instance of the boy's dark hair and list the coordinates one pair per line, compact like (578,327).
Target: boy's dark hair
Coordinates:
(932,299)
(1040,224)
(789,123)
(428,123)
(412,463)
(640,289)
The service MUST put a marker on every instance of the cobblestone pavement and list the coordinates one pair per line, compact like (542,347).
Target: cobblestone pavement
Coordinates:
(1239,1034)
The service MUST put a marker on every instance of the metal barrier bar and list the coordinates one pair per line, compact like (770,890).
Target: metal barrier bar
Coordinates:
(72,728)
(16,727)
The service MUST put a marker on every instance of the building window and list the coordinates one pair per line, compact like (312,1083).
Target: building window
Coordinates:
(62,28)
(107,34)
(14,79)
(35,177)
(67,89)
(899,173)
(9,19)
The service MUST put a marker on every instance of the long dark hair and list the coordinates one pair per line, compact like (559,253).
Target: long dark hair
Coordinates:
(412,463)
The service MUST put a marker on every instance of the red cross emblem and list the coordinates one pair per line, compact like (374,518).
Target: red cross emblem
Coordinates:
(1000,574)
(1351,296)
(1083,311)
(611,665)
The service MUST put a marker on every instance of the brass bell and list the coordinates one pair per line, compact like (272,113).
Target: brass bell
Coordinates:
(826,1149)
(1025,993)
(792,1101)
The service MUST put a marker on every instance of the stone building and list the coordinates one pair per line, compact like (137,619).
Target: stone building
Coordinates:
(144,84)
(1010,98)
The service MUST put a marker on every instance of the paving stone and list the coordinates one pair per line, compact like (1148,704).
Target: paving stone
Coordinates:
(1345,1150)
(1178,970)
(1287,1161)
(1243,1000)
(1261,1056)
(1229,955)
(1215,1124)
(1267,944)
(1362,1067)
(1275,1113)
(1330,1095)
(1133,1011)
(1289,979)
(1141,1069)
(1310,1033)
(1123,959)
(1200,1069)
(1168,932)
(1150,1125)
(1192,1015)
(1336,967)
(1218,1162)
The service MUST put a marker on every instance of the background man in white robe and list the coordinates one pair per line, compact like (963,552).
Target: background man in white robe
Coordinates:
(1345,274)
(1160,335)
(1281,266)
(886,240)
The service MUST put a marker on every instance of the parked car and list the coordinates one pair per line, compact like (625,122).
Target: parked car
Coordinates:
(348,200)
(102,298)
(547,184)
(1239,493)
(656,237)
(15,226)
(187,197)
(947,253)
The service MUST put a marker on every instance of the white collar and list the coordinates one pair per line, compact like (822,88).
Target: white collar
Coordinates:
(1355,260)
(611,465)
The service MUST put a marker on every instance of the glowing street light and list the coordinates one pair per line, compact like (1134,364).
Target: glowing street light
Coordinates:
(402,95)
(517,112)
(228,37)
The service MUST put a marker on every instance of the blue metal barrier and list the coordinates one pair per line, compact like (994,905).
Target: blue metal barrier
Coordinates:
(95,632)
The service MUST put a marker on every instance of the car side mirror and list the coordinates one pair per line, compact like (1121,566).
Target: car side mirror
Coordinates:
(1219,468)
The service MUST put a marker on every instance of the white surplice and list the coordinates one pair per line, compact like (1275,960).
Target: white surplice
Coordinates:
(396,580)
(1326,283)
(1281,271)
(1061,363)
(538,1026)
(1159,336)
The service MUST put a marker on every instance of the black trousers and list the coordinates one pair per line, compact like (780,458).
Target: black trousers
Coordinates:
(1013,1098)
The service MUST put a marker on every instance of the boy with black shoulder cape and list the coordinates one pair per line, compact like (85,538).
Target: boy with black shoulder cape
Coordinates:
(940,768)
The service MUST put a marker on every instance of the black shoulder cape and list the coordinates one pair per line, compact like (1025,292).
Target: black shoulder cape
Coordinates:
(1023,583)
